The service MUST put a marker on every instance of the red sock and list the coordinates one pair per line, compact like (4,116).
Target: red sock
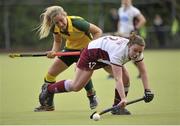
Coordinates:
(57,87)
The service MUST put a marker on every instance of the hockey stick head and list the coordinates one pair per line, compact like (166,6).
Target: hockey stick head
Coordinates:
(116,107)
(91,116)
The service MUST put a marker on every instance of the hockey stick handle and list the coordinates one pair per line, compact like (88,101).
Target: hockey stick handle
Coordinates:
(117,106)
(76,53)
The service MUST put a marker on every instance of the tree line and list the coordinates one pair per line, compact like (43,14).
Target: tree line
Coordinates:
(19,22)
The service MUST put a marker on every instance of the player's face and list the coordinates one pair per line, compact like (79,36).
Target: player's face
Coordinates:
(60,21)
(135,50)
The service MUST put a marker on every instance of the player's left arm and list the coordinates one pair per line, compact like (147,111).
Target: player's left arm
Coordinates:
(95,31)
(147,90)
(141,21)
(142,69)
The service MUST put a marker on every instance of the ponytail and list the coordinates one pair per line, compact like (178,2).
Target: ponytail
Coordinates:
(47,19)
(136,39)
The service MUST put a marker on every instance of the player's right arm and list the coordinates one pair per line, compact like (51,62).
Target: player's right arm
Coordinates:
(56,46)
(95,31)
(117,72)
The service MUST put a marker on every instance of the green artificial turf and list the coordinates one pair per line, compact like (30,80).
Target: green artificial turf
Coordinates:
(21,79)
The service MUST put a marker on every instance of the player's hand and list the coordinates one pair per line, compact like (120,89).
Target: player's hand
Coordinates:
(51,54)
(122,103)
(148,95)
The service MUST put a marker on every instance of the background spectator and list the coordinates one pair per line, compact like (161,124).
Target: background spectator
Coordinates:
(158,26)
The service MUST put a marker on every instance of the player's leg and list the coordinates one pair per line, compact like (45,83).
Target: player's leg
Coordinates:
(57,67)
(109,71)
(91,94)
(81,79)
(90,91)
(117,98)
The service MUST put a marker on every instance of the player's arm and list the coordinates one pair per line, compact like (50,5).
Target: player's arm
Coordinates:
(56,43)
(56,46)
(142,69)
(141,21)
(95,31)
(117,72)
(143,72)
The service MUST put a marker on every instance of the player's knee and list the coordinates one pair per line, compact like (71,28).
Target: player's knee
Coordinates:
(126,82)
(76,89)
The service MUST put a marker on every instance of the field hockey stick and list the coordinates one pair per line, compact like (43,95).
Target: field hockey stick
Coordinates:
(13,55)
(116,107)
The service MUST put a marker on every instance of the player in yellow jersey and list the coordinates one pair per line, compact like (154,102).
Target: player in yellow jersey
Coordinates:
(78,33)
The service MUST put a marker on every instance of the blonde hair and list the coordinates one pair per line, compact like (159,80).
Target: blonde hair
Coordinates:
(47,19)
(136,39)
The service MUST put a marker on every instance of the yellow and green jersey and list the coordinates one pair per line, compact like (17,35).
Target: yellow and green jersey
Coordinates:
(77,34)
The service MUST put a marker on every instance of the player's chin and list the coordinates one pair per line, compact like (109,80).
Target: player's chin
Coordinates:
(133,57)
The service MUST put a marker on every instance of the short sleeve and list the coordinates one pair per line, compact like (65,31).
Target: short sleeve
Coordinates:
(81,24)
(136,12)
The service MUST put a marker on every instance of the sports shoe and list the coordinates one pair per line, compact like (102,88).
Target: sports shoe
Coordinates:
(46,98)
(93,103)
(120,112)
(44,108)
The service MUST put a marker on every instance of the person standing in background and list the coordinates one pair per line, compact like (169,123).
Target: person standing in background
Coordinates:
(130,18)
(158,27)
(114,18)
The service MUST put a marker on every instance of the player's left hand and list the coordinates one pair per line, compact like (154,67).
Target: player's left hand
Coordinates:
(148,96)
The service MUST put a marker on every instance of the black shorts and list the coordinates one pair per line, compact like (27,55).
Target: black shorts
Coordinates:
(69,60)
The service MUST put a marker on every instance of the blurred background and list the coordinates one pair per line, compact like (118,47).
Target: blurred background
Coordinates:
(20,18)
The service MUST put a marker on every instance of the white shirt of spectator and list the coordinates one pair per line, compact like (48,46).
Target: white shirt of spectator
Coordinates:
(126,16)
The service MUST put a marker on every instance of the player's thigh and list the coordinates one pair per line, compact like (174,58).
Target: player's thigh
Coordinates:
(57,67)
(81,79)
(108,69)
(125,76)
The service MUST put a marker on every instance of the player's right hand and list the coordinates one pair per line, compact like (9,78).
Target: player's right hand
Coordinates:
(51,54)
(122,103)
